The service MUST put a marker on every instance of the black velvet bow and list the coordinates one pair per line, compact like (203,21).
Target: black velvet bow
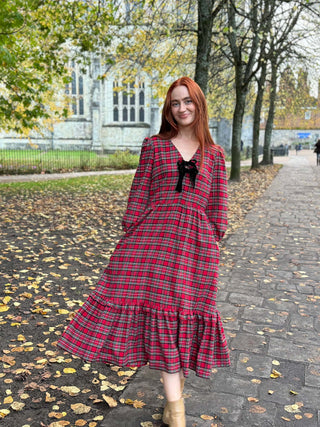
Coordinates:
(186,167)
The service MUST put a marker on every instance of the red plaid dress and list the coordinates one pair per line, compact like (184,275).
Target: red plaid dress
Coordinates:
(155,302)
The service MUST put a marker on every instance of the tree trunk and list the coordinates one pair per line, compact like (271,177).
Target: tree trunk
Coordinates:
(257,116)
(205,22)
(236,133)
(269,125)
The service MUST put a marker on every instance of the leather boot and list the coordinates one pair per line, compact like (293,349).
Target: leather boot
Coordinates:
(176,414)
(165,416)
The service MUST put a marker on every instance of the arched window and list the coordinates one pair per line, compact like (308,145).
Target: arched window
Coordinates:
(76,90)
(141,98)
(74,106)
(115,114)
(141,114)
(125,114)
(80,85)
(81,107)
(132,114)
(74,83)
(128,104)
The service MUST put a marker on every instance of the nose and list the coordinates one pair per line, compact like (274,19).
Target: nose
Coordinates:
(182,107)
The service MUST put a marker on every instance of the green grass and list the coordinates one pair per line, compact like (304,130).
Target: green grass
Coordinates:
(35,161)
(74,185)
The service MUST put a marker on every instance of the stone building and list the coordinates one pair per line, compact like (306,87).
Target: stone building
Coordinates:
(104,118)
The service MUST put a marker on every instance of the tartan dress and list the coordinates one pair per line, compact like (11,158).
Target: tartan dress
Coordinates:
(155,301)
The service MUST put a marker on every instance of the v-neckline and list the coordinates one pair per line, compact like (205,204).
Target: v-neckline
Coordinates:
(191,158)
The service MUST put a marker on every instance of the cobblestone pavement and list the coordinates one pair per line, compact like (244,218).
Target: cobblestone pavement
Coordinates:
(270,303)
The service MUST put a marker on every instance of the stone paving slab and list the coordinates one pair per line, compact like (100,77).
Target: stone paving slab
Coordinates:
(270,303)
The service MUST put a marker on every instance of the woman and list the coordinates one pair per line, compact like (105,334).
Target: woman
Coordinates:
(155,302)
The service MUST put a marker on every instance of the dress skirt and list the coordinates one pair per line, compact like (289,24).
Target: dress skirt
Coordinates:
(155,301)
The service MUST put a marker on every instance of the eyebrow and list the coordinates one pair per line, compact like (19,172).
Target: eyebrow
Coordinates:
(183,99)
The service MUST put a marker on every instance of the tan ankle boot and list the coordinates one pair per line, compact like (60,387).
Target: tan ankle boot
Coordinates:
(165,416)
(176,414)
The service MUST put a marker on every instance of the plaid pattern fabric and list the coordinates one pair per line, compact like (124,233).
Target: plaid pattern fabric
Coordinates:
(155,302)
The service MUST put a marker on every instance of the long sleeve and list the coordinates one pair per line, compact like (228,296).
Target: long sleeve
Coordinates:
(140,189)
(216,209)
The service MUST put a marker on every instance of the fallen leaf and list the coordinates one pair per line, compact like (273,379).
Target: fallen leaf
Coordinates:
(110,401)
(69,370)
(206,417)
(275,374)
(72,390)
(80,408)
(256,409)
(292,408)
(80,423)
(17,406)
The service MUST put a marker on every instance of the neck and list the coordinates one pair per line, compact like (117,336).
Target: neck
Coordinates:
(187,133)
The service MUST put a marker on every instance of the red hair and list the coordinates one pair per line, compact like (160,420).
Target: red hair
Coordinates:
(169,127)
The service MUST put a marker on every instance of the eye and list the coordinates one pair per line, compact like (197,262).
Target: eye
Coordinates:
(188,101)
(175,104)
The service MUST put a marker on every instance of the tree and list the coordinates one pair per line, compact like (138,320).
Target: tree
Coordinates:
(244,26)
(288,38)
(37,40)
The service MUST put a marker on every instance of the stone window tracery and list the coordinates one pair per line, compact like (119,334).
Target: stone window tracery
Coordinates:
(75,90)
(128,101)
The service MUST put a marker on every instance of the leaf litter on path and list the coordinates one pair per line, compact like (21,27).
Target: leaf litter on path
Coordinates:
(54,245)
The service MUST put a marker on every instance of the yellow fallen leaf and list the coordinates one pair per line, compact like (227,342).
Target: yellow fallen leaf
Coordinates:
(98,418)
(4,307)
(4,413)
(253,399)
(69,370)
(138,404)
(292,408)
(57,414)
(8,399)
(17,406)
(61,423)
(110,401)
(285,419)
(275,374)
(126,373)
(80,423)
(298,417)
(62,311)
(293,392)
(308,415)
(21,338)
(80,408)
(49,398)
(72,390)
(206,417)
(146,424)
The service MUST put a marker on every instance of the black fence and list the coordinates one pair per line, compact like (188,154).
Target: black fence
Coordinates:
(28,161)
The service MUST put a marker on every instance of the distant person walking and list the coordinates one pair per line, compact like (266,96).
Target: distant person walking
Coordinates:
(317,151)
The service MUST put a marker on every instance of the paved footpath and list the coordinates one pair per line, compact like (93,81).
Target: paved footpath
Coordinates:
(270,301)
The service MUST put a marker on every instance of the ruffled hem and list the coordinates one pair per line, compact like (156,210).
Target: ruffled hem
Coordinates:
(134,335)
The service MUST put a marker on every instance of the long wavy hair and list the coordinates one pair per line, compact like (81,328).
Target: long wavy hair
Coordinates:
(169,127)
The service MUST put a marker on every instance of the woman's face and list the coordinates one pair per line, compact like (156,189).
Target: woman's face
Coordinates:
(182,107)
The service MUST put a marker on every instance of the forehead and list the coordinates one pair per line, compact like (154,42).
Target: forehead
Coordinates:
(180,92)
